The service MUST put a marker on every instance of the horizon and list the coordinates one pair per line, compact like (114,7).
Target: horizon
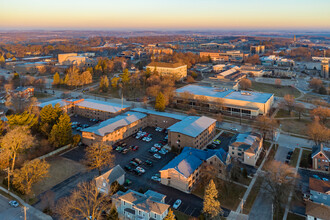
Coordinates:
(184,15)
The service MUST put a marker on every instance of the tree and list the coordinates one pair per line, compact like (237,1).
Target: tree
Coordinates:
(125,77)
(192,112)
(315,84)
(61,132)
(170,215)
(318,133)
(187,97)
(245,84)
(99,156)
(113,215)
(299,107)
(266,125)
(160,102)
(104,84)
(76,139)
(190,79)
(30,173)
(202,100)
(322,113)
(211,204)
(289,102)
(25,119)
(279,179)
(56,79)
(49,116)
(114,82)
(2,60)
(84,202)
(278,83)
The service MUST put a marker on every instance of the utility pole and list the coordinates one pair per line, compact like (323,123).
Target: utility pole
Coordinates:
(24,212)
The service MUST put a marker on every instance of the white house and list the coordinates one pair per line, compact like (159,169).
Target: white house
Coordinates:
(103,182)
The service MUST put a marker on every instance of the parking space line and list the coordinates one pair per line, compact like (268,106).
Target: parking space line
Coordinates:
(192,212)
(186,209)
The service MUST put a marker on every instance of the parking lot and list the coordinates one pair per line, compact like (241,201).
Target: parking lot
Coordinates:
(282,153)
(79,122)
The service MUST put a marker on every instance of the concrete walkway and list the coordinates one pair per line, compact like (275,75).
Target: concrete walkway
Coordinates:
(247,192)
(290,196)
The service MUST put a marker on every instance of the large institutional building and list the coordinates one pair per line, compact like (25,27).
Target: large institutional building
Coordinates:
(243,103)
(176,70)
(185,170)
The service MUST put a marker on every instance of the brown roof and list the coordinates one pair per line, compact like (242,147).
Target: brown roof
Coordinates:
(319,185)
(317,210)
(162,64)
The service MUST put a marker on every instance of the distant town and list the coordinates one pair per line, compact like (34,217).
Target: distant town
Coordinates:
(154,125)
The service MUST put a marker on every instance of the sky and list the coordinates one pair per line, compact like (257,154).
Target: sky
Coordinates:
(166,14)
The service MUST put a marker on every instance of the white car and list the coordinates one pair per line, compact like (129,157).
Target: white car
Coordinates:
(177,204)
(157,145)
(325,179)
(157,156)
(13,203)
(155,178)
(162,151)
(137,136)
(140,169)
(148,139)
(154,149)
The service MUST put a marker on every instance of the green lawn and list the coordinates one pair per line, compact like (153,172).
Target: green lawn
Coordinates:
(294,158)
(278,91)
(230,194)
(306,160)
(252,196)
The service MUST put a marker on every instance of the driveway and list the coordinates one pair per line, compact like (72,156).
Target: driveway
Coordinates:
(262,207)
(282,153)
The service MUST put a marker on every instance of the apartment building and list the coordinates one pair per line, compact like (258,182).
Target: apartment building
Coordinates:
(114,129)
(192,131)
(176,70)
(228,56)
(259,49)
(132,205)
(229,101)
(321,158)
(319,191)
(246,147)
(185,170)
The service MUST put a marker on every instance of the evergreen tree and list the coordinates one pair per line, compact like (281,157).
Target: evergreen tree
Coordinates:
(56,79)
(61,132)
(2,60)
(170,215)
(50,114)
(25,119)
(211,204)
(160,102)
(125,77)
(104,84)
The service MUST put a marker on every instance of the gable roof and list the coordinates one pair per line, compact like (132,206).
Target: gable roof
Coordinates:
(112,124)
(248,141)
(320,148)
(112,175)
(191,158)
(319,185)
(163,114)
(319,211)
(145,202)
(192,125)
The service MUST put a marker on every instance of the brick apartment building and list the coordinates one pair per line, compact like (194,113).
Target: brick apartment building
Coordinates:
(176,70)
(321,158)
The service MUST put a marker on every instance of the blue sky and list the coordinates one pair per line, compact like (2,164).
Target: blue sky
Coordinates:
(166,14)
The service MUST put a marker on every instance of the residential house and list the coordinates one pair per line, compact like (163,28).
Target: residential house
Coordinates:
(246,147)
(315,211)
(321,158)
(132,205)
(103,182)
(319,191)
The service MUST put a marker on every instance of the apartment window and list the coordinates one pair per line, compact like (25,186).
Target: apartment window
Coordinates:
(232,152)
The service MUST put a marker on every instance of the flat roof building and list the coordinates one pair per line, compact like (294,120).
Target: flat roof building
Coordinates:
(244,103)
(176,70)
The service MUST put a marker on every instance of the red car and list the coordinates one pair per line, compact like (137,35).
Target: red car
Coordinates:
(135,148)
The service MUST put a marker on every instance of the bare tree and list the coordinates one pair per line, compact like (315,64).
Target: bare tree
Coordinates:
(279,179)
(85,202)
(245,84)
(299,107)
(30,173)
(289,102)
(322,113)
(278,83)
(99,156)
(266,125)
(318,133)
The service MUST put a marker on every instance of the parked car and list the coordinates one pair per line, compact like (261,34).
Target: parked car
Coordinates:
(125,151)
(290,152)
(162,151)
(141,169)
(155,178)
(216,141)
(288,157)
(148,162)
(137,172)
(317,177)
(119,149)
(211,146)
(128,168)
(157,156)
(134,148)
(133,163)
(177,203)
(124,145)
(157,145)
(234,129)
(13,203)
(137,160)
(154,150)
(325,179)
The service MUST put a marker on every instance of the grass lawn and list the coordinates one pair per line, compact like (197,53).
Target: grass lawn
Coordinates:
(41,95)
(292,216)
(270,88)
(282,113)
(229,193)
(306,160)
(252,196)
(295,126)
(294,157)
(60,170)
